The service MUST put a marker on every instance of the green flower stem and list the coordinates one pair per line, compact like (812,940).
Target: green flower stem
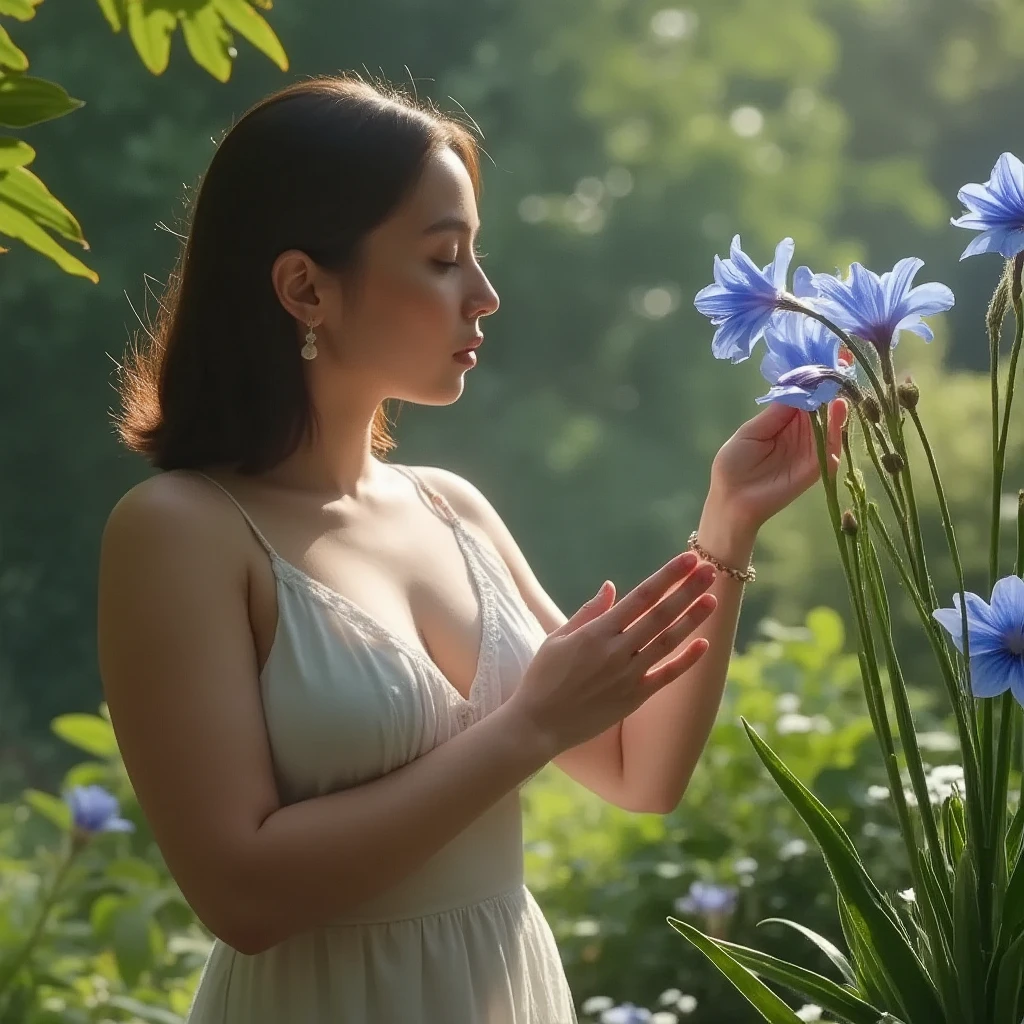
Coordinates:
(1008,713)
(962,714)
(901,704)
(875,699)
(50,899)
(999,436)
(887,485)
(954,551)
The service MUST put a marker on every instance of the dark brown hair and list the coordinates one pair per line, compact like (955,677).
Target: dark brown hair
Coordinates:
(315,167)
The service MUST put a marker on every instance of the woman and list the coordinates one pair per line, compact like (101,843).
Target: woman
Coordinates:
(329,675)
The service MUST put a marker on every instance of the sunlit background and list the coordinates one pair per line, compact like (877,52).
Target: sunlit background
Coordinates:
(625,143)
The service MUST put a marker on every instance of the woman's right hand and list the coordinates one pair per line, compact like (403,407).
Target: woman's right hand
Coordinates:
(603,663)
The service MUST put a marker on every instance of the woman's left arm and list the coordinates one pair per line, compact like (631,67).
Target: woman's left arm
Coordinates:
(644,762)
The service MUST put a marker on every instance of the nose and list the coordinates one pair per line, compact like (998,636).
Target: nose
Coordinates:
(483,300)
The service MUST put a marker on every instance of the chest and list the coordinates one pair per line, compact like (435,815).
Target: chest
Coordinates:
(420,586)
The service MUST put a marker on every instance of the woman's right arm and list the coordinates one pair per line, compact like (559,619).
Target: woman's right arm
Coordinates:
(181,681)
(180,678)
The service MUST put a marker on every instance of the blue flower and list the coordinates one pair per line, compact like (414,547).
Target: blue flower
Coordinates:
(996,209)
(743,300)
(996,635)
(93,809)
(803,363)
(707,898)
(878,308)
(627,1013)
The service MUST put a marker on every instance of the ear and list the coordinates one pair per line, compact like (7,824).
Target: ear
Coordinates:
(297,283)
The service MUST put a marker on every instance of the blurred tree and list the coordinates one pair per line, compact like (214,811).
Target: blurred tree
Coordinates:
(627,142)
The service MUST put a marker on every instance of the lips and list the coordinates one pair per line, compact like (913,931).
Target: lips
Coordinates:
(476,343)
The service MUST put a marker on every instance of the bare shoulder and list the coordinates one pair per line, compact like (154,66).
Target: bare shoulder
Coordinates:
(172,508)
(465,498)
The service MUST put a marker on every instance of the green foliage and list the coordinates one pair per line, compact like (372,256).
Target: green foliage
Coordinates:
(607,879)
(28,211)
(121,942)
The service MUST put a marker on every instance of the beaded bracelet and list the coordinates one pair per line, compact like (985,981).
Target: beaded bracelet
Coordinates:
(747,575)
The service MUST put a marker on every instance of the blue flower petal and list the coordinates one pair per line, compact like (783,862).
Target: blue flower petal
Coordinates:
(990,673)
(896,283)
(1008,604)
(803,283)
(1017,680)
(983,630)
(778,270)
(996,209)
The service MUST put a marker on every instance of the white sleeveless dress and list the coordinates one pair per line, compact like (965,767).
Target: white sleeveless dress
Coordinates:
(459,941)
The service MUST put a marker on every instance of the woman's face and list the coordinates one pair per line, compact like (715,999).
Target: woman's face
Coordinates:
(419,293)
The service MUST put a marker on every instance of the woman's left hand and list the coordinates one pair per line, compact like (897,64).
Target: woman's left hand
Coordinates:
(771,460)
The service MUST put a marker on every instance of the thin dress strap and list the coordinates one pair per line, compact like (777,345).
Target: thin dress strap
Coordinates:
(439,501)
(248,518)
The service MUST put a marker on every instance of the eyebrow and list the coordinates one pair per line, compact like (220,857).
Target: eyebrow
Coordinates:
(449,224)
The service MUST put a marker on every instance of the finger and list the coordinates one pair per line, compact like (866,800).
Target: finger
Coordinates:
(672,670)
(648,593)
(590,610)
(666,643)
(769,422)
(667,611)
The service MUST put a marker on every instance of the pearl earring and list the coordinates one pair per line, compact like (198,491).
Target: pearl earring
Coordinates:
(308,351)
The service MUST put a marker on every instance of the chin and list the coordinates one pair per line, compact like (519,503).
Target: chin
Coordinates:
(445,392)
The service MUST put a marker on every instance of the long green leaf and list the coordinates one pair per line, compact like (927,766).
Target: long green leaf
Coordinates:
(830,950)
(863,898)
(21,189)
(16,224)
(25,101)
(254,28)
(1014,834)
(837,999)
(755,991)
(967,941)
(1008,985)
(1013,905)
(871,980)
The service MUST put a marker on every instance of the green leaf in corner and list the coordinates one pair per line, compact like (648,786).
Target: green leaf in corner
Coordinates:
(10,55)
(15,153)
(25,101)
(150,28)
(252,27)
(208,40)
(21,10)
(15,224)
(112,12)
(870,913)
(87,732)
(838,1000)
(755,991)
(831,951)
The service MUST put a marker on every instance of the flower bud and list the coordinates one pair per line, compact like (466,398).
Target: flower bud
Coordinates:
(871,409)
(893,462)
(849,524)
(908,393)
